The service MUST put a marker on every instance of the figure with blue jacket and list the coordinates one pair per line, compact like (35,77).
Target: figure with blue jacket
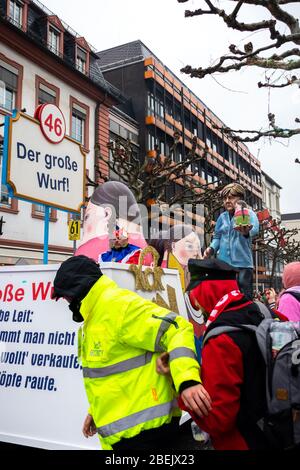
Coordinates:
(232,243)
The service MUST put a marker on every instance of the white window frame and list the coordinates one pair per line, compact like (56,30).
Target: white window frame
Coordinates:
(54,33)
(78,121)
(16,12)
(47,90)
(81,64)
(4,88)
(39,208)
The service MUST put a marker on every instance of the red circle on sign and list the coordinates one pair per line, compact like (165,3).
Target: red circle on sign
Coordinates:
(52,123)
(37,112)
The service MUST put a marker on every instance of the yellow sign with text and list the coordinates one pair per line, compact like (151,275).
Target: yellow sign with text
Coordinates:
(74,229)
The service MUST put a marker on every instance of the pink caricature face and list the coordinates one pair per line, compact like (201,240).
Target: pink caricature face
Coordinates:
(187,248)
(230,202)
(95,221)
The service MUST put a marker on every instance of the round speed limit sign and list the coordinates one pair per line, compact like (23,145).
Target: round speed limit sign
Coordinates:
(52,123)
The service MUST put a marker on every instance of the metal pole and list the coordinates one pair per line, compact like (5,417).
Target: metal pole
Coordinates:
(74,217)
(46,234)
(256,266)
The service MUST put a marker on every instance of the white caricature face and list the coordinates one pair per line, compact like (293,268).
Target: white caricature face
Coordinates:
(187,248)
(95,221)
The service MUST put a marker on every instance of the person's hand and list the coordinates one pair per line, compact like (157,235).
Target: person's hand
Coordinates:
(208,252)
(271,296)
(197,400)
(89,428)
(243,229)
(162,364)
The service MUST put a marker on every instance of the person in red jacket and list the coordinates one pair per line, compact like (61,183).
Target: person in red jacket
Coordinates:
(232,370)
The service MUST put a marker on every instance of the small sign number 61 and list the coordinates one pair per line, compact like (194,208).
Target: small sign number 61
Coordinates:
(74,229)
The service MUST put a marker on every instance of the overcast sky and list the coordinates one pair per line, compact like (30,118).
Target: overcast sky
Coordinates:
(199,41)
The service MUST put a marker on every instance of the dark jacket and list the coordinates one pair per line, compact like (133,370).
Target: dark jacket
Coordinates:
(233,373)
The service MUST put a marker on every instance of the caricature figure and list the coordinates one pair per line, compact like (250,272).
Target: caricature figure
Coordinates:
(112,204)
(175,248)
(183,245)
(121,251)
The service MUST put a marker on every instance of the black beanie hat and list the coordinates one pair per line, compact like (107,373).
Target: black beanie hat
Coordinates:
(75,277)
(209,269)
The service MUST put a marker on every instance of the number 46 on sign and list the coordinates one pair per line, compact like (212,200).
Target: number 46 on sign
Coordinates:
(74,229)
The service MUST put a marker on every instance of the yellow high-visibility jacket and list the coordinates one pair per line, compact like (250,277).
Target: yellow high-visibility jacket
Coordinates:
(123,334)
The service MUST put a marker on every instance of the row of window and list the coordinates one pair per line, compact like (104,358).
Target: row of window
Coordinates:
(55,35)
(10,86)
(10,97)
(160,104)
(123,132)
(271,199)
(172,85)
(173,109)
(198,128)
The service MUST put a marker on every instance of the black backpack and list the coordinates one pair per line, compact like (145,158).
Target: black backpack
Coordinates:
(281,425)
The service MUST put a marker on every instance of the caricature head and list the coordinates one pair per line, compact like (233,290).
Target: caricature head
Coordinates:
(184,244)
(96,221)
(231,194)
(111,204)
(119,238)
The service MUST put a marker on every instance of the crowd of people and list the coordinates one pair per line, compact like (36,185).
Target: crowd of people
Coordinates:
(143,365)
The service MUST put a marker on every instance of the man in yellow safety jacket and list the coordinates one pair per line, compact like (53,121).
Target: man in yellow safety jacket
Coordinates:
(131,405)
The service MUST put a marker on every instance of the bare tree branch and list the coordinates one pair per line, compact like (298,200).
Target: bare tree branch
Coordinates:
(274,133)
(280,57)
(278,244)
(289,81)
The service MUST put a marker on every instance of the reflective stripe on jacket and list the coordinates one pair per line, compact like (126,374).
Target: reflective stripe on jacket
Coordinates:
(123,335)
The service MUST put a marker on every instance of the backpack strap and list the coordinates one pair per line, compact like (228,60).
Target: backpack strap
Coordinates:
(219,330)
(294,294)
(261,336)
(263,309)
(227,329)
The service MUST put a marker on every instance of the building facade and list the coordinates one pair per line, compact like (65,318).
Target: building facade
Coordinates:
(291,221)
(162,105)
(42,60)
(123,128)
(271,209)
(271,196)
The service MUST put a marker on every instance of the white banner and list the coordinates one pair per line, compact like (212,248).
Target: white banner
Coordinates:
(42,397)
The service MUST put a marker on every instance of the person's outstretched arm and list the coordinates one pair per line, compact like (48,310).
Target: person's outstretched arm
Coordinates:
(147,326)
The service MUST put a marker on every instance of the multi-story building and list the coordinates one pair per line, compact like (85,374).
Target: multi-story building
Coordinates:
(123,128)
(42,60)
(265,260)
(291,221)
(271,196)
(162,105)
